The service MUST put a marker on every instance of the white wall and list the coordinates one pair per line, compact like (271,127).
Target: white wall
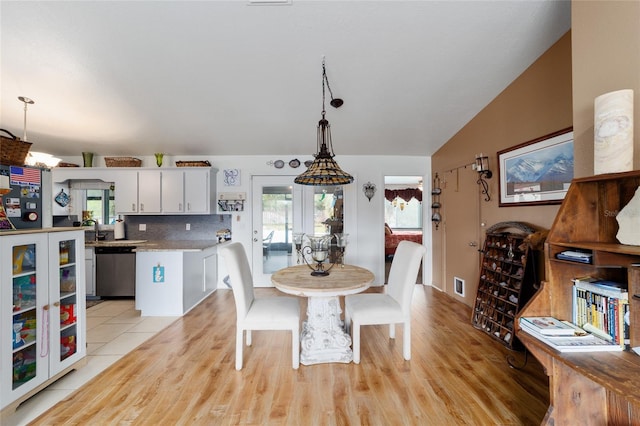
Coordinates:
(364,219)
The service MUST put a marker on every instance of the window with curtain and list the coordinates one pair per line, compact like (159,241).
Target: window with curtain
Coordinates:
(403,208)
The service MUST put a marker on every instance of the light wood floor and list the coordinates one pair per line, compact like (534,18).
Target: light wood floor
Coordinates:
(185,375)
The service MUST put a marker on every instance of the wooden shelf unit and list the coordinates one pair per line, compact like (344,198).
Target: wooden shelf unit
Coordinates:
(506,284)
(593,387)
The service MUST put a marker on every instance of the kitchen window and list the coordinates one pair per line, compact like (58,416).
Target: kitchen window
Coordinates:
(101,203)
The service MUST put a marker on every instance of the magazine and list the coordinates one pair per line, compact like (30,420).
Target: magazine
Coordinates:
(577,343)
(549,326)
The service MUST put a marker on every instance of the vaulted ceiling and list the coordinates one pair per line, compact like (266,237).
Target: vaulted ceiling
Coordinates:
(232,78)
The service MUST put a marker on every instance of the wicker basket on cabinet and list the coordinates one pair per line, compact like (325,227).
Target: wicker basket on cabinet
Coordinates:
(13,151)
(122,162)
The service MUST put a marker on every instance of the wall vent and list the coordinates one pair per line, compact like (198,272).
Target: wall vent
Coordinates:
(458,286)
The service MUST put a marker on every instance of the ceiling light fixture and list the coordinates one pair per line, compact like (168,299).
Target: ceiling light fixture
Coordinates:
(324,171)
(41,159)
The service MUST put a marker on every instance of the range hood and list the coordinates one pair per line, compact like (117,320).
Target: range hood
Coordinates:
(89,184)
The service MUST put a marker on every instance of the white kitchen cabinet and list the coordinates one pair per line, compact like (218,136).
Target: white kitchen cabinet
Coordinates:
(126,191)
(137,192)
(172,282)
(188,191)
(149,192)
(172,189)
(152,191)
(89,271)
(42,310)
(199,191)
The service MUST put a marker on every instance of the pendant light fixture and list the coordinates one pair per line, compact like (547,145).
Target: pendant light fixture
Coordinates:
(26,102)
(324,171)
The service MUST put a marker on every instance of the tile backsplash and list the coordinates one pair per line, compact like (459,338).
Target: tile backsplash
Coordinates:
(202,227)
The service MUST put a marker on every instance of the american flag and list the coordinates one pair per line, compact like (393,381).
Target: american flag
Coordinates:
(24,176)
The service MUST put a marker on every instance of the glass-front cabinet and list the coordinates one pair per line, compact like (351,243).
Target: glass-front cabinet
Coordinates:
(24,300)
(67,299)
(42,305)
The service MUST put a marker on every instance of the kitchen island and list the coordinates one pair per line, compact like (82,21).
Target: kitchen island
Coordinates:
(172,277)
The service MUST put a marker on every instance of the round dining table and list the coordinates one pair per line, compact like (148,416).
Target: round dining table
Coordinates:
(323,337)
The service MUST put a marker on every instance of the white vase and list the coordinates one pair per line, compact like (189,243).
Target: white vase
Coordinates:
(613,132)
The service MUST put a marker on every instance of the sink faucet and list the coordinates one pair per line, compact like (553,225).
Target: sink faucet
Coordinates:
(96,227)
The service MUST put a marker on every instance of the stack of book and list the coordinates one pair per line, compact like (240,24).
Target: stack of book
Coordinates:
(564,336)
(575,256)
(602,308)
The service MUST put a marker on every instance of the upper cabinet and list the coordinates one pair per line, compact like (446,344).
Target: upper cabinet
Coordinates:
(200,190)
(153,191)
(172,190)
(187,191)
(138,192)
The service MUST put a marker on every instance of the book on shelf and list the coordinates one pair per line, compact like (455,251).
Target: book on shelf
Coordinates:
(549,326)
(581,341)
(603,287)
(602,305)
(575,256)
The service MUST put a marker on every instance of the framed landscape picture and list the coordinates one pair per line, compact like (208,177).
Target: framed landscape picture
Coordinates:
(538,171)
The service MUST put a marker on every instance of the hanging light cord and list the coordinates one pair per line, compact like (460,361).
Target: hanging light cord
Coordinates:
(324,78)
(324,136)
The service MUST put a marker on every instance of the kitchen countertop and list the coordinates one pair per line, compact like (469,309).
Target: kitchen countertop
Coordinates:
(37,230)
(157,245)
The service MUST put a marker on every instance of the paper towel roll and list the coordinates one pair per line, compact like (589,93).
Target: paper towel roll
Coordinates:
(118,230)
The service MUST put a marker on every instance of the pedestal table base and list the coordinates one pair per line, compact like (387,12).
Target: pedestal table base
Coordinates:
(323,337)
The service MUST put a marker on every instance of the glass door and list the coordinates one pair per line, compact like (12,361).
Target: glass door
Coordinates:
(277,214)
(327,218)
(67,299)
(283,212)
(24,305)
(25,323)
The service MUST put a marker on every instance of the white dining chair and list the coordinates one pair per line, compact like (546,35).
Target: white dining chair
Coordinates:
(391,307)
(264,313)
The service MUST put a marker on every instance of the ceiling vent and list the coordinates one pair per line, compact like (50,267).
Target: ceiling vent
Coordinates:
(269,2)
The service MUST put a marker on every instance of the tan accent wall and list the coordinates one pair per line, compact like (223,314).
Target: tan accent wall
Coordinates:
(537,103)
(606,57)
(604,48)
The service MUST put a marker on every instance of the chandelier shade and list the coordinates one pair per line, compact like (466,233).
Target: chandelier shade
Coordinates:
(324,171)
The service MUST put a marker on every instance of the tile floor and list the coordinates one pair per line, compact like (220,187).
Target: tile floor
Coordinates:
(114,328)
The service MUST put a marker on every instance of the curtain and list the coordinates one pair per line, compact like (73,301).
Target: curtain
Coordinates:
(406,194)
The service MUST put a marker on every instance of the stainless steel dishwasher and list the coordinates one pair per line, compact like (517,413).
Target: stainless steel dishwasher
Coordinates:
(115,271)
